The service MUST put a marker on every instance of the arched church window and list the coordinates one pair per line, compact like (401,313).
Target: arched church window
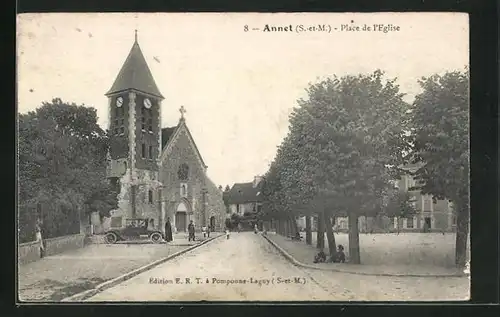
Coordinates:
(183,172)
(183,190)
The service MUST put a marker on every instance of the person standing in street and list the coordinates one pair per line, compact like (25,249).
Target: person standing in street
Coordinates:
(168,231)
(39,237)
(227,233)
(191,231)
(208,231)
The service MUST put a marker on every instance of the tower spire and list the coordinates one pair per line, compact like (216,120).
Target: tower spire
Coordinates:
(135,74)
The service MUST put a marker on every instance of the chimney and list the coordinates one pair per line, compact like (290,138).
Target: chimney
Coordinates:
(256,180)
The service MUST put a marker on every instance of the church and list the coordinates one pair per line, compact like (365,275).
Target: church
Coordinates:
(159,171)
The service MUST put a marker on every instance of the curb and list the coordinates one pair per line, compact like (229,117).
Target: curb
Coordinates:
(300,264)
(117,280)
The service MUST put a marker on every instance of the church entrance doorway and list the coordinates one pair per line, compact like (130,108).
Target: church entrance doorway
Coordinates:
(180,221)
(181,217)
(212,223)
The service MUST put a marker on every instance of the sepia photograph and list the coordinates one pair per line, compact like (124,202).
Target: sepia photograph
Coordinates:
(232,157)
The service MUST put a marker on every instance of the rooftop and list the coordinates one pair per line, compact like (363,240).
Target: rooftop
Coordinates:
(242,193)
(135,74)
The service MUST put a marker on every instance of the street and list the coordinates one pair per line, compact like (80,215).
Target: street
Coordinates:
(247,267)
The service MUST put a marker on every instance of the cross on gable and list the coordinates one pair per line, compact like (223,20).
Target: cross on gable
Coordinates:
(182,110)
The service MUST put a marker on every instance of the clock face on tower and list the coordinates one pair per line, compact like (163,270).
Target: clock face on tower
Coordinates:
(147,103)
(119,102)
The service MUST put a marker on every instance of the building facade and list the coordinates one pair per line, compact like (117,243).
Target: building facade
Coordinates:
(432,215)
(159,171)
(244,198)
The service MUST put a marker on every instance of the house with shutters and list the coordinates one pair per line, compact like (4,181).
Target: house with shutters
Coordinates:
(244,197)
(159,171)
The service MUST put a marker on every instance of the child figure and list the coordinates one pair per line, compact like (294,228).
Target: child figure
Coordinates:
(227,233)
(320,257)
(39,237)
(340,254)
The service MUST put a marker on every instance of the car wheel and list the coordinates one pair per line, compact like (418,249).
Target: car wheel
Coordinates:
(156,237)
(111,238)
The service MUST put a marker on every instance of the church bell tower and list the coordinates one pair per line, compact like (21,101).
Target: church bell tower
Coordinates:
(134,116)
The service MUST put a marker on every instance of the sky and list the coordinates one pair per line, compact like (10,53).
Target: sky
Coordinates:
(238,87)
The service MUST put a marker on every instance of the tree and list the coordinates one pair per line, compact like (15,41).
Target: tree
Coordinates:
(62,162)
(440,137)
(235,220)
(342,139)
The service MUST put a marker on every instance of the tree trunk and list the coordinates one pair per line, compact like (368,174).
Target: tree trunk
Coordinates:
(461,235)
(330,235)
(293,223)
(397,226)
(320,240)
(354,256)
(308,230)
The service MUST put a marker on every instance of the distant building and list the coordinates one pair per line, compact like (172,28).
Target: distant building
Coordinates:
(436,216)
(244,197)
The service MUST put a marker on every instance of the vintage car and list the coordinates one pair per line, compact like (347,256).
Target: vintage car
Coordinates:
(135,229)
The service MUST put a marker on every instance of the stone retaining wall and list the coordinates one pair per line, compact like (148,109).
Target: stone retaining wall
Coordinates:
(29,252)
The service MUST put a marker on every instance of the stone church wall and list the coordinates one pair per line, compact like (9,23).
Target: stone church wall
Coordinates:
(144,209)
(182,152)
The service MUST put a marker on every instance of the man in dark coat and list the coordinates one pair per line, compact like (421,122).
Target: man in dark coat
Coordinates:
(168,230)
(191,231)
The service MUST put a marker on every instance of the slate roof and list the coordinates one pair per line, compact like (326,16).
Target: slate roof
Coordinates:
(166,134)
(135,74)
(242,193)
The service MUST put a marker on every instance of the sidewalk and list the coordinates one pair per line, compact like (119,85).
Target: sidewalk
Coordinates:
(304,255)
(56,277)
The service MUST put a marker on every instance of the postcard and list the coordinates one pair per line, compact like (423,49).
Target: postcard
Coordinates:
(184,157)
